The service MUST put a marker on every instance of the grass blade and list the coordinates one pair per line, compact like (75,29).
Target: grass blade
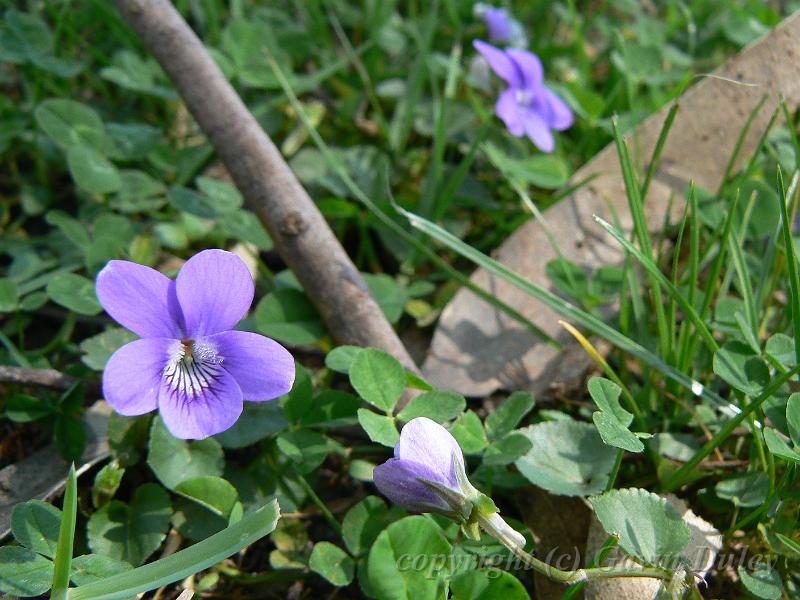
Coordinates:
(791,264)
(62,563)
(640,229)
(339,168)
(565,308)
(659,148)
(186,562)
(681,474)
(659,278)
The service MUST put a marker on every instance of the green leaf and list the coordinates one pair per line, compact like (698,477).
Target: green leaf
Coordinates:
(332,408)
(361,470)
(35,525)
(299,399)
(23,572)
(244,226)
(746,490)
(781,348)
(9,295)
(487,584)
(99,348)
(439,405)
(605,394)
(224,196)
(173,460)
(133,140)
(258,420)
(106,483)
(507,449)
(288,316)
(779,447)
(332,563)
(91,171)
(738,365)
(341,358)
(542,170)
(793,417)
(22,408)
(72,229)
(378,378)
(764,582)
(212,493)
(24,37)
(649,527)
(89,568)
(75,293)
(567,458)
(362,524)
(186,562)
(416,382)
(72,124)
(389,566)
(390,296)
(192,202)
(615,434)
(70,436)
(306,448)
(469,433)
(508,414)
(131,532)
(381,429)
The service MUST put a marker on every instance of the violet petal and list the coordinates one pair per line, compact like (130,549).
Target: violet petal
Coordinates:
(539,132)
(559,113)
(262,367)
(215,291)
(140,299)
(529,66)
(509,111)
(499,61)
(398,480)
(132,377)
(426,442)
(199,401)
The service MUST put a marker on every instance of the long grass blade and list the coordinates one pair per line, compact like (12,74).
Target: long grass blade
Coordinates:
(62,564)
(186,562)
(791,264)
(565,308)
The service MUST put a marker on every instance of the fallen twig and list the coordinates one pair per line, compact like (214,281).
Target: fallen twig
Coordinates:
(298,230)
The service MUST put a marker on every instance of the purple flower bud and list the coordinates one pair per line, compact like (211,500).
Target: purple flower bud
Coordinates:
(427,475)
(498,22)
(189,364)
(527,106)
(501,25)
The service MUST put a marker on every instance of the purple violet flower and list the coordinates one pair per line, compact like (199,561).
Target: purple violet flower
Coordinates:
(427,475)
(502,27)
(498,22)
(528,106)
(189,364)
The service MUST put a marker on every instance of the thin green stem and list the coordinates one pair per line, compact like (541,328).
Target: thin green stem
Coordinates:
(332,521)
(679,476)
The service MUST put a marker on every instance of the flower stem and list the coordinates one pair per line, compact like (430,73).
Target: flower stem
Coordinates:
(337,527)
(560,575)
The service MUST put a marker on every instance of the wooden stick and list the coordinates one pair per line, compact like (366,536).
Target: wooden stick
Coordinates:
(49,378)
(300,233)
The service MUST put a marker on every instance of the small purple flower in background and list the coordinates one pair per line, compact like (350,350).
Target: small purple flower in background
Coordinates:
(427,475)
(528,106)
(498,22)
(189,364)
(501,25)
